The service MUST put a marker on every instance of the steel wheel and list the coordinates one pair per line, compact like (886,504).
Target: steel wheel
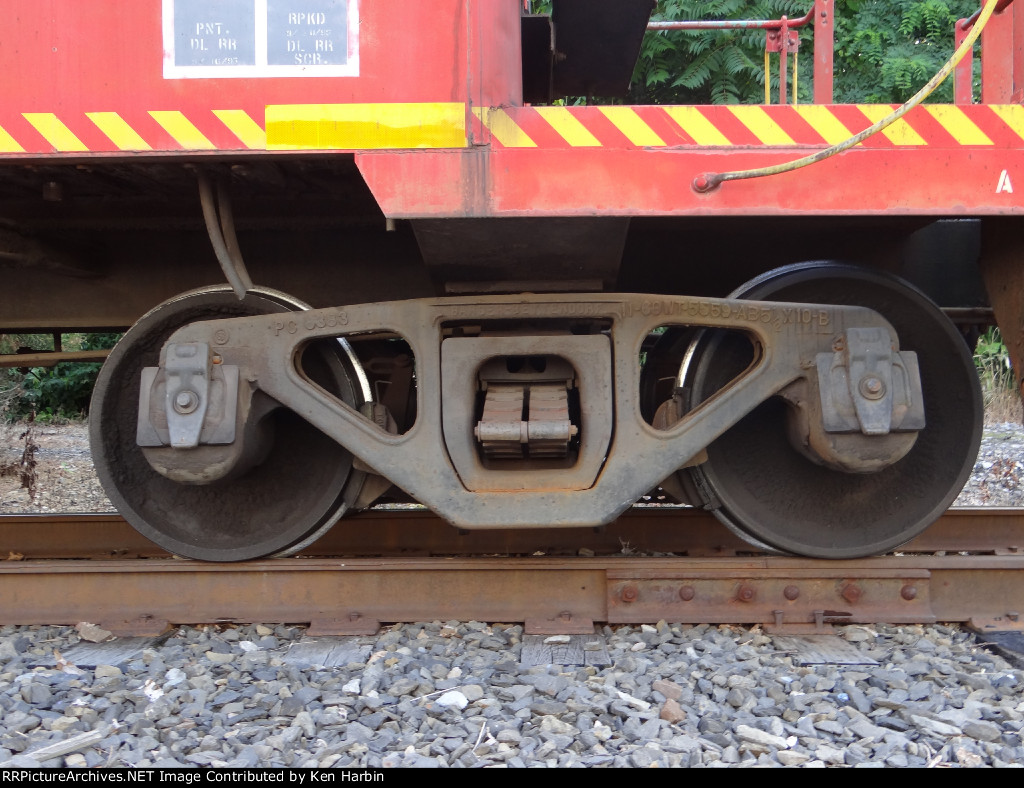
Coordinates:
(302,485)
(658,376)
(764,488)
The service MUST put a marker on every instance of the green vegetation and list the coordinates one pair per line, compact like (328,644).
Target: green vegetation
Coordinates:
(708,66)
(878,62)
(885,51)
(998,381)
(51,393)
(992,360)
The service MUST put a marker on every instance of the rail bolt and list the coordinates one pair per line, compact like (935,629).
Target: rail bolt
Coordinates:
(909,592)
(687,593)
(791,592)
(852,593)
(746,593)
(629,593)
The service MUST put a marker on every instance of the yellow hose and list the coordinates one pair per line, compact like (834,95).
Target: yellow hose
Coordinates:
(796,77)
(710,180)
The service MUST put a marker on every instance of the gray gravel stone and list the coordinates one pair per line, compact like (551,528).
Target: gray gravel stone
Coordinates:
(982,730)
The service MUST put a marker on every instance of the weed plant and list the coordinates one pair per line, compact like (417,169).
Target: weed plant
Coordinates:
(998,381)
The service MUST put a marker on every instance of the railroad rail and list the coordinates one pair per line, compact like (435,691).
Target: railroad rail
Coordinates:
(968,567)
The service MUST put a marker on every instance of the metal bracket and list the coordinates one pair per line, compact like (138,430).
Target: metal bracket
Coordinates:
(192,400)
(188,392)
(472,364)
(780,626)
(867,386)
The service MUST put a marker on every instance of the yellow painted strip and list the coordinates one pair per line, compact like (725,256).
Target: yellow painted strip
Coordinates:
(569,127)
(243,127)
(692,121)
(954,121)
(1012,115)
(181,128)
(8,144)
(365,126)
(629,123)
(899,133)
(821,119)
(505,130)
(117,128)
(55,132)
(763,127)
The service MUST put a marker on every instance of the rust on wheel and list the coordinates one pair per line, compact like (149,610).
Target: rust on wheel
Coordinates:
(297,487)
(766,490)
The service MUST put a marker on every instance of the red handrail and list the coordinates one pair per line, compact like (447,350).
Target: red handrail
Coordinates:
(1002,67)
(735,24)
(968,23)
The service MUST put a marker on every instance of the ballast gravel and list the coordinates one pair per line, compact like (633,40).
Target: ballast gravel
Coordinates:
(460,694)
